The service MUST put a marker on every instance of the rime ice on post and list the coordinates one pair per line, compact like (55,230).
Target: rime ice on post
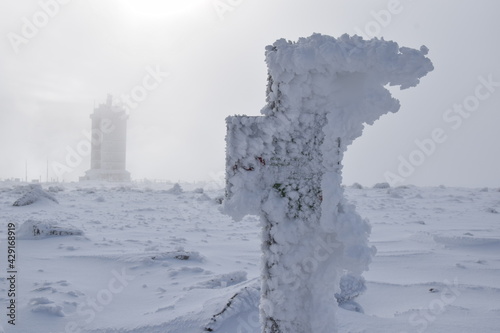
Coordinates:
(286,167)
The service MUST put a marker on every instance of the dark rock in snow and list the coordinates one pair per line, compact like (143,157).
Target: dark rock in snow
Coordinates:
(32,229)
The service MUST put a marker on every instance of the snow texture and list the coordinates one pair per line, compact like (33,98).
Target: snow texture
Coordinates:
(439,238)
(34,194)
(286,167)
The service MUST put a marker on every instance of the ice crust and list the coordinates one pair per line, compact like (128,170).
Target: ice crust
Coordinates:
(286,167)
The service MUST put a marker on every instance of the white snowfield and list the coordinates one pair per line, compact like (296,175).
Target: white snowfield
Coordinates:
(150,259)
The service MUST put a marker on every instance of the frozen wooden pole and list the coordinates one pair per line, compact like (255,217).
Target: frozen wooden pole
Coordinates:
(285,166)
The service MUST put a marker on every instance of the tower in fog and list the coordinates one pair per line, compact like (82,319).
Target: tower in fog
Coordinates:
(109,143)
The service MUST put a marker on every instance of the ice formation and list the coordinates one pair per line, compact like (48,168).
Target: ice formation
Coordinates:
(286,167)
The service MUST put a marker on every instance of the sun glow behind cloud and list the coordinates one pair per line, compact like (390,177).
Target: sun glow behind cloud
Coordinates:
(158,9)
(215,60)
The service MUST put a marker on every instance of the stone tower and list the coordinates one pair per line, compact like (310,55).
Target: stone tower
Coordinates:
(109,143)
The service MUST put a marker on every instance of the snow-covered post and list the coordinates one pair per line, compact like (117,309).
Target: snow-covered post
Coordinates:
(286,167)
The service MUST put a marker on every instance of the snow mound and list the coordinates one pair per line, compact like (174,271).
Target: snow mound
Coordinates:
(179,255)
(32,229)
(45,305)
(240,314)
(176,189)
(149,258)
(222,281)
(56,188)
(40,300)
(49,309)
(35,194)
(381,185)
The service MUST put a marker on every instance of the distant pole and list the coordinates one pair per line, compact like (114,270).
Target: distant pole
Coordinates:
(47,170)
(26,170)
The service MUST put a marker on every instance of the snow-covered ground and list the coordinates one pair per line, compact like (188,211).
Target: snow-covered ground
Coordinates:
(110,258)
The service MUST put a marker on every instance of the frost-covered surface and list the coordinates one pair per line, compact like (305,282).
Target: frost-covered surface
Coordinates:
(444,239)
(243,304)
(33,193)
(351,286)
(286,167)
(33,229)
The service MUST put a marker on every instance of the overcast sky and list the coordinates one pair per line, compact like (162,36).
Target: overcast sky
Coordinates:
(55,67)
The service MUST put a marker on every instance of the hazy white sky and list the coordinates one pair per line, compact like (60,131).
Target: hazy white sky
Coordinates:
(58,58)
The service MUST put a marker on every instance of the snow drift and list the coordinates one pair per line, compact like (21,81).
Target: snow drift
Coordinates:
(34,194)
(431,238)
